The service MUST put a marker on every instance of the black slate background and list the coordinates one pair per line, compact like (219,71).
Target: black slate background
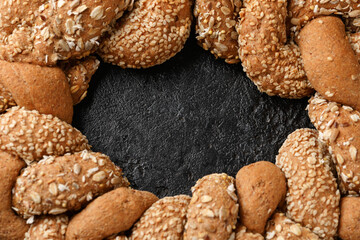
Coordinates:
(169,125)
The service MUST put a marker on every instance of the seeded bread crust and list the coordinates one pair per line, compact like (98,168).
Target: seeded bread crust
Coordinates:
(323,43)
(153,32)
(56,185)
(31,135)
(282,228)
(339,127)
(349,218)
(260,187)
(243,234)
(12,227)
(111,213)
(215,27)
(48,228)
(312,197)
(165,219)
(43,31)
(78,74)
(213,209)
(36,88)
(269,60)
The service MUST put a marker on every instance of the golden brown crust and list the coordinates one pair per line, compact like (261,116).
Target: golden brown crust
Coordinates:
(78,74)
(274,65)
(59,184)
(243,234)
(213,210)
(323,44)
(261,187)
(165,219)
(44,31)
(282,228)
(12,227)
(44,89)
(339,127)
(349,224)
(119,209)
(32,135)
(312,198)
(48,228)
(215,27)
(153,32)
(6,99)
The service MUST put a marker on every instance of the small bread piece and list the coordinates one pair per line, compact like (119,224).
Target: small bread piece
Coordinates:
(59,184)
(323,44)
(261,187)
(48,228)
(281,228)
(243,234)
(78,74)
(12,227)
(213,210)
(45,31)
(153,32)
(44,89)
(32,135)
(312,198)
(274,65)
(165,219)
(349,224)
(6,99)
(339,127)
(111,213)
(215,27)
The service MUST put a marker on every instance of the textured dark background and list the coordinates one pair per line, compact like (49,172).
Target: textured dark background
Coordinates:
(169,125)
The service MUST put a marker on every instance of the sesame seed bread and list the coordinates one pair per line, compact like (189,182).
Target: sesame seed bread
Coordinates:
(165,219)
(349,218)
(37,88)
(153,32)
(312,197)
(48,228)
(6,99)
(78,74)
(31,135)
(323,43)
(213,209)
(12,227)
(43,31)
(339,128)
(242,233)
(59,184)
(282,228)
(111,213)
(260,187)
(215,27)
(270,61)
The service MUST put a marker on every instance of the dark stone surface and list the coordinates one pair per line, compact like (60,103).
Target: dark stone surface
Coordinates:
(169,125)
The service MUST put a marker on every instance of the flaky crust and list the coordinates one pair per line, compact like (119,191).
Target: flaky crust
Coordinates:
(281,227)
(261,187)
(213,209)
(312,198)
(44,89)
(48,228)
(111,213)
(274,65)
(215,27)
(44,31)
(153,32)
(323,44)
(339,127)
(165,219)
(32,135)
(59,184)
(12,227)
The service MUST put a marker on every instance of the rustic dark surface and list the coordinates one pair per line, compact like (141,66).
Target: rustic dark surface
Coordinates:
(169,125)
